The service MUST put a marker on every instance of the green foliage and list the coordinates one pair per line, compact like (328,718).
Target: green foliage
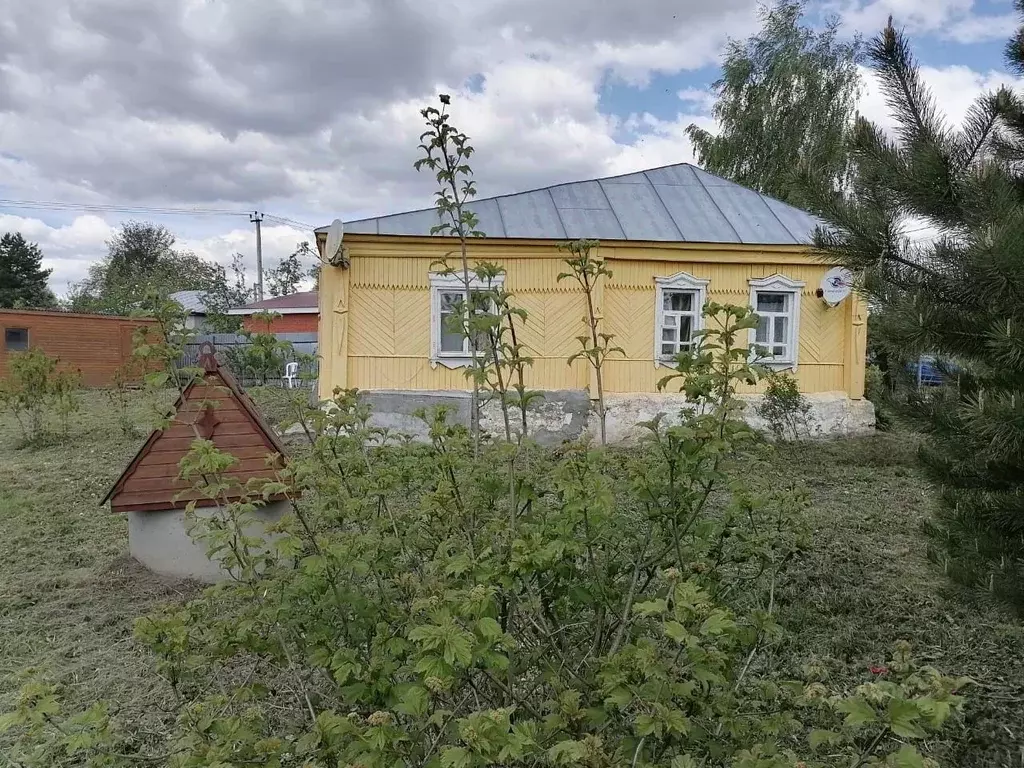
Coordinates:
(616,609)
(37,387)
(446,151)
(956,296)
(787,96)
(263,356)
(783,407)
(23,281)
(587,270)
(291,271)
(225,295)
(141,259)
(158,351)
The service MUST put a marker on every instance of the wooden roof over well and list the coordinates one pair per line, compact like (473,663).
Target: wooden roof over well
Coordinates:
(213,407)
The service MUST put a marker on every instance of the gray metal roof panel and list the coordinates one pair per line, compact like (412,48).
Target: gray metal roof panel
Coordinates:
(674,175)
(579,194)
(531,215)
(412,223)
(641,212)
(750,215)
(696,214)
(799,223)
(591,223)
(489,217)
(674,203)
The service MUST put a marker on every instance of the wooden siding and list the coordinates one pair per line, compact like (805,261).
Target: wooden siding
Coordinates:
(151,481)
(386,319)
(95,345)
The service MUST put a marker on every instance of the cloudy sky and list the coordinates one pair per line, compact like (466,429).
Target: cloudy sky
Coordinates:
(309,109)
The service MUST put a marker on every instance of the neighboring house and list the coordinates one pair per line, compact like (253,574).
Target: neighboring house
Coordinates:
(299,313)
(673,238)
(95,345)
(194,304)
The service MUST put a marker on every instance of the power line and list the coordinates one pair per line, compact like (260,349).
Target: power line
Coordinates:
(56,205)
(289,222)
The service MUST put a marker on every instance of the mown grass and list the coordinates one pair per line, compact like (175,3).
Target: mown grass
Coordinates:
(69,594)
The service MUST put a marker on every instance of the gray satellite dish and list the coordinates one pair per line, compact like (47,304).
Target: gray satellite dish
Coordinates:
(332,248)
(836,285)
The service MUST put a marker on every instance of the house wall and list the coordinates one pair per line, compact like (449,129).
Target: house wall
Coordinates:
(95,345)
(375,314)
(307,322)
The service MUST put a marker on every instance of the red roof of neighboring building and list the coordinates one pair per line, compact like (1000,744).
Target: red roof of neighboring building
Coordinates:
(293,303)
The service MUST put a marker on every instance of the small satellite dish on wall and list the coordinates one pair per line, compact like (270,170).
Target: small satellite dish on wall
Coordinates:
(332,248)
(835,285)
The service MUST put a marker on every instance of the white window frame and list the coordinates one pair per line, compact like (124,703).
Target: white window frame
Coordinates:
(680,281)
(447,283)
(780,284)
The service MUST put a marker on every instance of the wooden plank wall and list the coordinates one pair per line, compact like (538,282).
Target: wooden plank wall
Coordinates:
(154,482)
(95,345)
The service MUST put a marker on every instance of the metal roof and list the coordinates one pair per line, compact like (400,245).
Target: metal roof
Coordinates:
(193,302)
(293,303)
(673,203)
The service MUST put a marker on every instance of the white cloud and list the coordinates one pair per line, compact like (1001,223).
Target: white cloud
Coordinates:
(950,19)
(954,88)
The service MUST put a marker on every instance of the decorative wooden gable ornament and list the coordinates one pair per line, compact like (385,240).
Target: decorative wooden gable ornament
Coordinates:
(213,407)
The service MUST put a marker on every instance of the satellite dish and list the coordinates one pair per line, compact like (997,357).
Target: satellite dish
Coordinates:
(836,285)
(332,248)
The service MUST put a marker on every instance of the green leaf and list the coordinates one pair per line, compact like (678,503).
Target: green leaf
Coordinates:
(907,757)
(647,725)
(414,701)
(489,628)
(857,711)
(717,623)
(819,737)
(566,753)
(651,608)
(683,761)
(456,757)
(676,631)
(620,697)
(903,716)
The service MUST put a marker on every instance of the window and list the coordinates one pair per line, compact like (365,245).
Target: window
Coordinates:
(678,312)
(448,346)
(15,339)
(776,300)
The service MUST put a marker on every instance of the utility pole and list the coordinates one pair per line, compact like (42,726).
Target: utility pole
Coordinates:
(256,218)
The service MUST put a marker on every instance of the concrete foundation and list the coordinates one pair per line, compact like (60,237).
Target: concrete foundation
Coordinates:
(568,414)
(160,541)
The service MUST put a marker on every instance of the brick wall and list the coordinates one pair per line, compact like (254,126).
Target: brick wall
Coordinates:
(306,322)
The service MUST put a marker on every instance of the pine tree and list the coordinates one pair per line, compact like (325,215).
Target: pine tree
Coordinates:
(958,295)
(22,277)
(787,95)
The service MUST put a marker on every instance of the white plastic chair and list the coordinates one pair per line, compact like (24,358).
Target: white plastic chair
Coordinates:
(291,374)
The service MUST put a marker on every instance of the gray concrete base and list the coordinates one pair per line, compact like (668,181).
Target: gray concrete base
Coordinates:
(568,414)
(160,541)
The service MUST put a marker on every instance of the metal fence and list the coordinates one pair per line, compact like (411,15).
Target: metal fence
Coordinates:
(231,349)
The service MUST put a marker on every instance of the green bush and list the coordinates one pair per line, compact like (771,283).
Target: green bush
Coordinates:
(783,407)
(35,389)
(439,606)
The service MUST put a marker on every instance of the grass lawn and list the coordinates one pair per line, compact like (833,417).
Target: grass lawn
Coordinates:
(69,593)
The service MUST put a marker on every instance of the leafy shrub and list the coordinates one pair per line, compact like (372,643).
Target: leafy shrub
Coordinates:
(35,388)
(783,407)
(434,606)
(261,359)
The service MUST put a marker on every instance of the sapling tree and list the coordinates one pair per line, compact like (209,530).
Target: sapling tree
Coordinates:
(446,151)
(36,387)
(588,270)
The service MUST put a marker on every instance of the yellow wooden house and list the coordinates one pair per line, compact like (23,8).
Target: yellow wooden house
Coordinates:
(673,237)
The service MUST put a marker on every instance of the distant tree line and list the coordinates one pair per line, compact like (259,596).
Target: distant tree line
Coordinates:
(142,257)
